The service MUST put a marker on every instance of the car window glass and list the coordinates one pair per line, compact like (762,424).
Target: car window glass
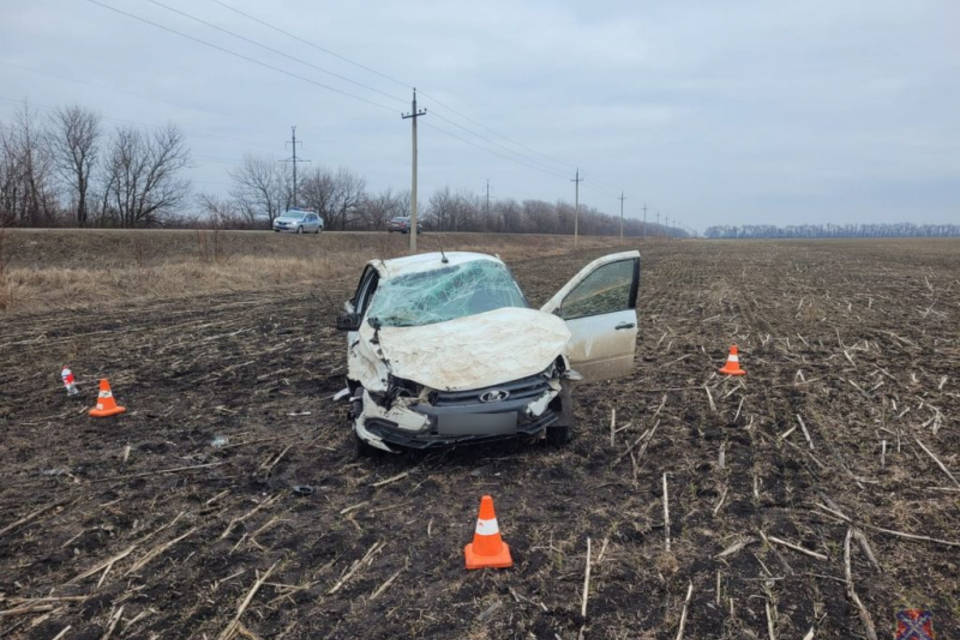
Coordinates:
(438,295)
(606,290)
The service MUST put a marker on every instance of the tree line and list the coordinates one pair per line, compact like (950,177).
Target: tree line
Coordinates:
(68,169)
(895,230)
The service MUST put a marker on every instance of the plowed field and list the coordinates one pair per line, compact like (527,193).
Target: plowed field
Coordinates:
(179,519)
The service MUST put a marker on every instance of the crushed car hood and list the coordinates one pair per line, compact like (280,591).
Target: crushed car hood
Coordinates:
(466,353)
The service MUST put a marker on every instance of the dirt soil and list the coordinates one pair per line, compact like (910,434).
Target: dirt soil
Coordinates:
(180,518)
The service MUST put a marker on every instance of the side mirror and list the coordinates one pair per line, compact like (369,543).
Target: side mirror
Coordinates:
(348,321)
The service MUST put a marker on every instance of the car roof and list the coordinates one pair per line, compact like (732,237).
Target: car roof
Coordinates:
(426,262)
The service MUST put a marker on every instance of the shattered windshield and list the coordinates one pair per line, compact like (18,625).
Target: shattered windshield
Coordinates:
(443,294)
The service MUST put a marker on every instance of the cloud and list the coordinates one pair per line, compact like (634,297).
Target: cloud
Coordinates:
(734,112)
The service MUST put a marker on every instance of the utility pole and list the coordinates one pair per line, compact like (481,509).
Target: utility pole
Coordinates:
(488,197)
(658,223)
(412,116)
(293,143)
(576,207)
(621,198)
(644,232)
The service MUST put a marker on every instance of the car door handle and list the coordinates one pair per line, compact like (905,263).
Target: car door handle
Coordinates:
(625,325)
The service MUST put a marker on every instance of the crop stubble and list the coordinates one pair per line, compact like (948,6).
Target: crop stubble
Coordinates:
(138,527)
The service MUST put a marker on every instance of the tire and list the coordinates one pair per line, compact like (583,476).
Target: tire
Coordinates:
(561,433)
(363,449)
(299,231)
(558,436)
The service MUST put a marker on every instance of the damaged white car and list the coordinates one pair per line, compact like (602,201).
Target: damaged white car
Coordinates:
(443,349)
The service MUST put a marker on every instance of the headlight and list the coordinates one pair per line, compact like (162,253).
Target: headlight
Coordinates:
(400,388)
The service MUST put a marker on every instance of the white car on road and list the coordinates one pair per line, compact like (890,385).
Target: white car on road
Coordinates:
(443,348)
(298,221)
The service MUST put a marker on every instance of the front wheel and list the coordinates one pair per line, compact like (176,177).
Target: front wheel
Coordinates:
(365,450)
(300,230)
(558,436)
(561,432)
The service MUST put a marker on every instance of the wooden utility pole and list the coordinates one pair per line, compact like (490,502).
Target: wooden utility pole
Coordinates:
(576,207)
(621,199)
(644,233)
(412,116)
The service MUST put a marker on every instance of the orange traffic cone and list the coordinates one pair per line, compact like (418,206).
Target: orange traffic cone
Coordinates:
(106,405)
(732,368)
(487,549)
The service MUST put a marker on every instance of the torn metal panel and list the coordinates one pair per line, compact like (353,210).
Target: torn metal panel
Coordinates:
(365,364)
(425,261)
(466,353)
(398,413)
(539,405)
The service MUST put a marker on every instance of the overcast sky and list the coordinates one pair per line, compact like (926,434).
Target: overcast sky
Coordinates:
(727,112)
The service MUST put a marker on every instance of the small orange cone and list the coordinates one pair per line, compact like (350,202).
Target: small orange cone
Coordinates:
(106,405)
(732,367)
(487,549)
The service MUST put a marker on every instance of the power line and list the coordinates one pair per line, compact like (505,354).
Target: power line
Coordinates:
(492,142)
(621,199)
(294,75)
(311,44)
(412,117)
(240,55)
(576,212)
(494,152)
(526,161)
(293,144)
(396,81)
(271,49)
(499,135)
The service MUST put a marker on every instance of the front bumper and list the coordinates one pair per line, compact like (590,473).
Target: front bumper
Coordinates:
(390,434)
(441,419)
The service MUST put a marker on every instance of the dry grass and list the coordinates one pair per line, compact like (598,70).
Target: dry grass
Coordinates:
(6,297)
(858,340)
(71,269)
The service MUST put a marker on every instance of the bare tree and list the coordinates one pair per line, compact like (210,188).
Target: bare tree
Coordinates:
(9,177)
(141,181)
(74,142)
(348,195)
(509,215)
(224,213)
(27,196)
(317,193)
(377,210)
(261,188)
(338,197)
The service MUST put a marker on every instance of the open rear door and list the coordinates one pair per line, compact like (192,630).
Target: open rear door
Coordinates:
(599,307)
